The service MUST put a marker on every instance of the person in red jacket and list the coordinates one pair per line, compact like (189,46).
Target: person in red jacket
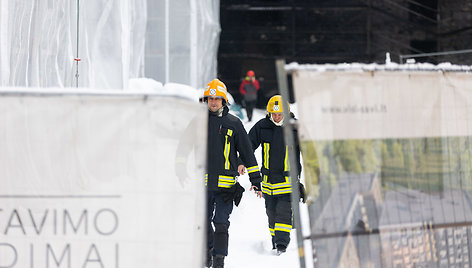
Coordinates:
(248,88)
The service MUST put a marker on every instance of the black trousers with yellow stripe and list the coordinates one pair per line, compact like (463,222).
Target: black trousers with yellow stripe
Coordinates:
(279,213)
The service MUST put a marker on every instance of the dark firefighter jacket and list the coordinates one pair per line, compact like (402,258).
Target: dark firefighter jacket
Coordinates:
(226,138)
(275,163)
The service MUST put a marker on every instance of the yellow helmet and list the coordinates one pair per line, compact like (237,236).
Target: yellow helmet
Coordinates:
(275,105)
(217,89)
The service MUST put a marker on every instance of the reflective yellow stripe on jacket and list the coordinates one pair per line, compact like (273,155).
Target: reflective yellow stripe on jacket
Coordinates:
(227,148)
(252,169)
(223,181)
(266,149)
(226,181)
(286,162)
(275,188)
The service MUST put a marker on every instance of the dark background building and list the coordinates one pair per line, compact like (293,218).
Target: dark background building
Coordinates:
(257,32)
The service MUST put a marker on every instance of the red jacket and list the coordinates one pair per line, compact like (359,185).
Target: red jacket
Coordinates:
(246,82)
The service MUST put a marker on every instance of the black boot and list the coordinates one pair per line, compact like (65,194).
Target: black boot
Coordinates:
(209,258)
(281,249)
(219,261)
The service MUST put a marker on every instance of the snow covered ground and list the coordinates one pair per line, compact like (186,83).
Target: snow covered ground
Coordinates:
(249,238)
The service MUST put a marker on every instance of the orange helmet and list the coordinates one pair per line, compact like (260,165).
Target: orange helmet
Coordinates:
(250,73)
(217,89)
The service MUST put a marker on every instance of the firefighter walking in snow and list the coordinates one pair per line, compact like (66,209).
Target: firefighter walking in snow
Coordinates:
(226,138)
(276,181)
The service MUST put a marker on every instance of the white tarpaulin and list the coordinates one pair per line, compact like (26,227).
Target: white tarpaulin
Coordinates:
(367,105)
(38,43)
(110,41)
(89,180)
(182,39)
(388,164)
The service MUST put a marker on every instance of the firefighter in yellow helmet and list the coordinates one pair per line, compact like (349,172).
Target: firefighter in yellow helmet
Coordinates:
(226,139)
(276,180)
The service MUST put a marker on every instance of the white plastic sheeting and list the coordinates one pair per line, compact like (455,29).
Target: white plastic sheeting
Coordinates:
(182,41)
(38,42)
(90,180)
(384,104)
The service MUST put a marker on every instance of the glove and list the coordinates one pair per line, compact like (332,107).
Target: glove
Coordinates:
(235,193)
(257,185)
(238,194)
(228,193)
(301,188)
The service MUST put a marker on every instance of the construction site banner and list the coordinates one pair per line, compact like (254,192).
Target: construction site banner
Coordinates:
(101,180)
(388,164)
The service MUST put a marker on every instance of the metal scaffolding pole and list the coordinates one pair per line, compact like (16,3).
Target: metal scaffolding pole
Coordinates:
(77,59)
(289,142)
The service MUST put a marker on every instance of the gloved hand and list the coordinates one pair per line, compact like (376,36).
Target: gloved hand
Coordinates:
(257,186)
(235,193)
(301,188)
(238,194)
(228,193)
